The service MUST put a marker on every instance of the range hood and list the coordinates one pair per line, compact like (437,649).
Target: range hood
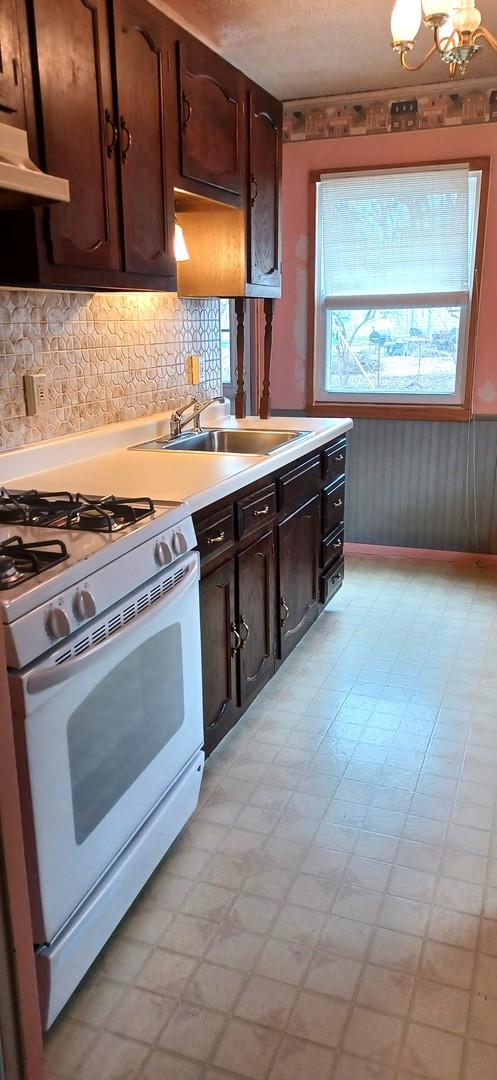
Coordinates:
(22,183)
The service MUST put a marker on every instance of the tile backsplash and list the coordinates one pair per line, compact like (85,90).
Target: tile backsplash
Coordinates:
(107,357)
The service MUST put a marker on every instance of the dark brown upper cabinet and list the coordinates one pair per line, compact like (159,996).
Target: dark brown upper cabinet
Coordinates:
(102,115)
(77,130)
(11,88)
(142,119)
(145,104)
(211,122)
(263,209)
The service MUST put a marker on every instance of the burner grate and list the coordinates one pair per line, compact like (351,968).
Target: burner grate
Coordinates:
(66,510)
(26,560)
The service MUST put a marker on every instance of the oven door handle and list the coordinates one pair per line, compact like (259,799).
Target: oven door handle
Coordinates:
(47,677)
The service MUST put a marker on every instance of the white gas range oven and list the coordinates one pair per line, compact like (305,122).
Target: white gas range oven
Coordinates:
(100,605)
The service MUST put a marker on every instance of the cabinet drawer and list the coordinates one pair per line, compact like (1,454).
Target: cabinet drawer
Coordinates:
(255,510)
(332,548)
(333,506)
(334,460)
(331,582)
(215,534)
(299,484)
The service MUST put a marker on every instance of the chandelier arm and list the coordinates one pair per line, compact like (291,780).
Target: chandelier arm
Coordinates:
(487,36)
(416,67)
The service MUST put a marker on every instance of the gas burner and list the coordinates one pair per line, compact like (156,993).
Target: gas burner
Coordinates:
(9,573)
(20,561)
(65,510)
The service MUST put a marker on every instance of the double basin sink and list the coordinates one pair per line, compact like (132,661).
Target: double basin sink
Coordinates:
(227,441)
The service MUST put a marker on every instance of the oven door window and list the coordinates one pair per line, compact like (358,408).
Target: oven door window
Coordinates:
(122,725)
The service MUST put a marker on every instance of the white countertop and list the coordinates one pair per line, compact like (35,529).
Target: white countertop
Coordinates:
(100,463)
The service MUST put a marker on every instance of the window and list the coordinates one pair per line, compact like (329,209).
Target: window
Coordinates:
(394,267)
(227,351)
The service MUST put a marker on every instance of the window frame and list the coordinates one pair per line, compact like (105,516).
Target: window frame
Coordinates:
(393,408)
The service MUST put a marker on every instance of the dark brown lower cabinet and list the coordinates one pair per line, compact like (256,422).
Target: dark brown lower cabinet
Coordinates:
(256,617)
(219,648)
(298,558)
(276,553)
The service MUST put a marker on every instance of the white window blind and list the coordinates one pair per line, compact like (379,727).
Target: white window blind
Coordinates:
(399,232)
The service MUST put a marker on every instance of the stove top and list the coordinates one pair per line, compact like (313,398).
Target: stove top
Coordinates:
(65,510)
(21,560)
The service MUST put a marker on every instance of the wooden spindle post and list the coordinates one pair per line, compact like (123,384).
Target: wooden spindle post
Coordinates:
(240,396)
(265,402)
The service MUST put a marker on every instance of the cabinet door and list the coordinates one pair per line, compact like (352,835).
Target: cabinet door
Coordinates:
(298,546)
(11,92)
(265,120)
(256,598)
(211,118)
(219,643)
(145,92)
(73,60)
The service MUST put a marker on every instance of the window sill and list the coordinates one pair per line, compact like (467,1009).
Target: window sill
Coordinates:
(389,412)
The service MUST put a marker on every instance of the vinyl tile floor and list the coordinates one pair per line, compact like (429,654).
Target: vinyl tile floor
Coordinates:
(330,912)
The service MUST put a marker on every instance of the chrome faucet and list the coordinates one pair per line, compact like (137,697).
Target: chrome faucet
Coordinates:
(178,420)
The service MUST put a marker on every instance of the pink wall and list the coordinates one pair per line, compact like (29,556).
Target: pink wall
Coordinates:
(288,369)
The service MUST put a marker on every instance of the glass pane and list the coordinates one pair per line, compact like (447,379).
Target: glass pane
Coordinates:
(224,314)
(226,356)
(392,351)
(122,725)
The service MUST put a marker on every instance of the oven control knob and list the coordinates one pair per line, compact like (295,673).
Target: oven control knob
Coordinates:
(84,606)
(163,553)
(179,543)
(58,625)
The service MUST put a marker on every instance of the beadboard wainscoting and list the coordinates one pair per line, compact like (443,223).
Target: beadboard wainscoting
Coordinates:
(426,484)
(107,357)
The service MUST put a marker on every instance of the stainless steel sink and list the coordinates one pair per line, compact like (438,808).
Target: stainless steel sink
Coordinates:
(227,441)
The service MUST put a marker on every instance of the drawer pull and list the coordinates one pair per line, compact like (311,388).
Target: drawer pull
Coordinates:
(216,539)
(262,513)
(338,503)
(286,611)
(244,626)
(338,577)
(337,544)
(238,640)
(338,457)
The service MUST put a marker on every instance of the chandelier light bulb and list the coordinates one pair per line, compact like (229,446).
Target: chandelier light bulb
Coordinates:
(465,16)
(446,33)
(406,20)
(435,7)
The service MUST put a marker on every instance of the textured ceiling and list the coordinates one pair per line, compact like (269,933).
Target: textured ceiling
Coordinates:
(317,47)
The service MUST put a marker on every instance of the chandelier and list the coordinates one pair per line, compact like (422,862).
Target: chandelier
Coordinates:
(456,26)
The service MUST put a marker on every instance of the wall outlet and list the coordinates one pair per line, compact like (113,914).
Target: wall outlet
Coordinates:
(194,368)
(35,387)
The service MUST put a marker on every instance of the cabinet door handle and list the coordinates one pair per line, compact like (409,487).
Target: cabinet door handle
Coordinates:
(255,190)
(262,512)
(238,640)
(216,539)
(337,544)
(129,139)
(112,145)
(337,504)
(286,611)
(338,457)
(187,110)
(244,625)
